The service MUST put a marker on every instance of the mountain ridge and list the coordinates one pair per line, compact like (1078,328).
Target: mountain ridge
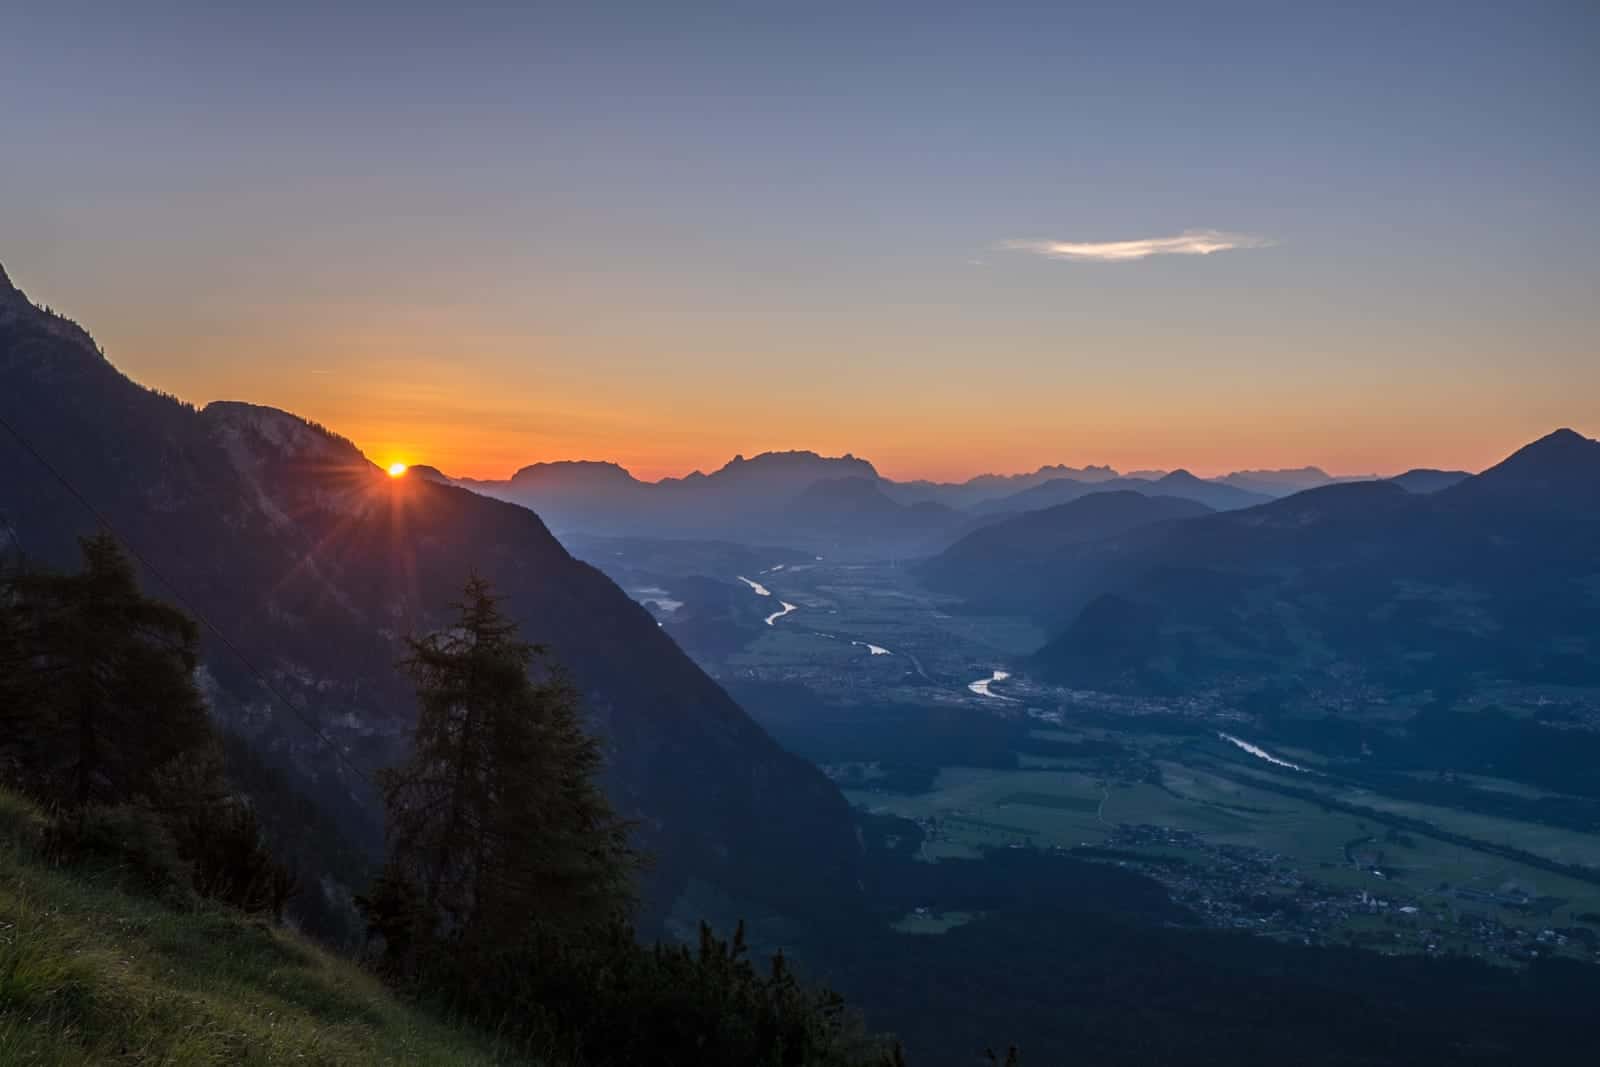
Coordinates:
(1349,581)
(1214,495)
(1019,550)
(317,562)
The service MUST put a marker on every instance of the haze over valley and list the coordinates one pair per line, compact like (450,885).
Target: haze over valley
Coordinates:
(1321,711)
(635,535)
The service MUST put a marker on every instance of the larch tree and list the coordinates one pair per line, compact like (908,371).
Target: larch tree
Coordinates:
(103,682)
(99,710)
(497,830)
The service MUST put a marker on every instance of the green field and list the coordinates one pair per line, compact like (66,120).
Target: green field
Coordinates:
(1180,780)
(1052,800)
(932,923)
(970,809)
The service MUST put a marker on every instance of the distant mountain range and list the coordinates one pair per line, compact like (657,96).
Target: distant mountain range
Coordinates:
(1495,576)
(1217,496)
(745,499)
(316,563)
(839,505)
(1425,480)
(988,486)
(1283,482)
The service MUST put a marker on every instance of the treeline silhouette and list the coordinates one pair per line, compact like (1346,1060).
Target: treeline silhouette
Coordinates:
(507,889)
(505,899)
(507,892)
(102,723)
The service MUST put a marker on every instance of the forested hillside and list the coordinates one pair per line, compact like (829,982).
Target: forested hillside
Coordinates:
(313,563)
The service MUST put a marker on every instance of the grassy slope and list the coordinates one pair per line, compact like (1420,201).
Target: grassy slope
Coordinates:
(91,975)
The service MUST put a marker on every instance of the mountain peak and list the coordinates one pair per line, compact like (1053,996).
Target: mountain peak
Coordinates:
(797,457)
(786,469)
(1565,437)
(267,431)
(5,282)
(429,473)
(1284,473)
(1564,450)
(1560,470)
(574,472)
(1089,473)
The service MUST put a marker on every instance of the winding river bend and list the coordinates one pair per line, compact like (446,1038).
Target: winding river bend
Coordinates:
(981,686)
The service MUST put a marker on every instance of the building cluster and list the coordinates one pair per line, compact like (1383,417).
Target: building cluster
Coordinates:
(1242,888)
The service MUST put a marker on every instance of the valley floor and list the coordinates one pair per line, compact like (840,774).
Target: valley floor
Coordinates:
(922,711)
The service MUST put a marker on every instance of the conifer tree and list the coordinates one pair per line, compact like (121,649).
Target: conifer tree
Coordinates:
(99,710)
(498,833)
(105,699)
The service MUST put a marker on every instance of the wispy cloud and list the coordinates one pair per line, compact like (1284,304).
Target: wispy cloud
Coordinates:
(1187,243)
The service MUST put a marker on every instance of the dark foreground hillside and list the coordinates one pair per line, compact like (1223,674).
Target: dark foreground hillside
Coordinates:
(316,564)
(1086,963)
(93,975)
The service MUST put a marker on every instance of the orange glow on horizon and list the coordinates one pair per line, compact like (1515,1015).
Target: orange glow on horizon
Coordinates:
(396,469)
(656,425)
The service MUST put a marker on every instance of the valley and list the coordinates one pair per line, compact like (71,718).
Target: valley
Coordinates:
(923,712)
(845,535)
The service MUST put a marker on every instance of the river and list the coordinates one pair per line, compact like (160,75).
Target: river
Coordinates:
(981,686)
(1261,753)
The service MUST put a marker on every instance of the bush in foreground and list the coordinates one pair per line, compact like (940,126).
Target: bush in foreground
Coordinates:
(93,975)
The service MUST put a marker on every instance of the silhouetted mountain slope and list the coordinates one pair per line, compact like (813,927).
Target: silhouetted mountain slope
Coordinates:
(775,498)
(1179,483)
(1496,577)
(746,499)
(827,504)
(777,474)
(1557,474)
(430,474)
(1214,495)
(1427,480)
(573,494)
(994,564)
(581,475)
(841,514)
(316,562)
(856,498)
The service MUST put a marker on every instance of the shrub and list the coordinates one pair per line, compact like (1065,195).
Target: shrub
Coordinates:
(129,844)
(606,1001)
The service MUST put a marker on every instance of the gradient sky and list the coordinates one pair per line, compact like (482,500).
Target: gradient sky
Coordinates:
(663,234)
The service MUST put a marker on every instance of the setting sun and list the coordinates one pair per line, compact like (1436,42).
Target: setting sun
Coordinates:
(1079,521)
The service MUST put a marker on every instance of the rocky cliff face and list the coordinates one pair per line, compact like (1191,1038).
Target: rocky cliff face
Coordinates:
(316,563)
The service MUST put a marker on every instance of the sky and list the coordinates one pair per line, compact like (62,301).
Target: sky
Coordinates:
(949,238)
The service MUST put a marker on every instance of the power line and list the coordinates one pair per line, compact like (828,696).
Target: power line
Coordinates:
(184,601)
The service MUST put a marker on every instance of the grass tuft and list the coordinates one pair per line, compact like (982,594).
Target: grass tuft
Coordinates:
(92,975)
